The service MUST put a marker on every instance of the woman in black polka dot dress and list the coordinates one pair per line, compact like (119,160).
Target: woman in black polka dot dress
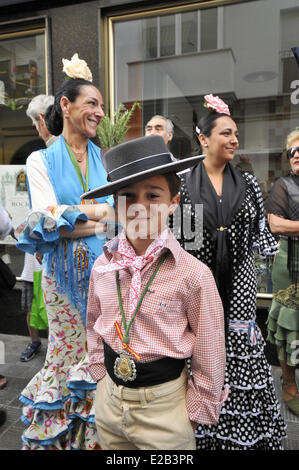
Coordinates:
(233,229)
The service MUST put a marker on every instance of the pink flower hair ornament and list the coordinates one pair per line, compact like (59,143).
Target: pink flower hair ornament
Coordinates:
(214,103)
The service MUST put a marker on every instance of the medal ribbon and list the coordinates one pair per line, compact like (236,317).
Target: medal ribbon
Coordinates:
(125,346)
(125,338)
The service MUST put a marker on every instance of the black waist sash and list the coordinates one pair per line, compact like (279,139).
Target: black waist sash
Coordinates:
(148,373)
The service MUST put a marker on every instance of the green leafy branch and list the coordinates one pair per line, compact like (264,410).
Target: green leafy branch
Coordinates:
(112,130)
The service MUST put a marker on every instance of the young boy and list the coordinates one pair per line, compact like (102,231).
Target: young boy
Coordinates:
(151,306)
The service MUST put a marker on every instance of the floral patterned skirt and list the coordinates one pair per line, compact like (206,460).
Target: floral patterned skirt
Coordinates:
(59,400)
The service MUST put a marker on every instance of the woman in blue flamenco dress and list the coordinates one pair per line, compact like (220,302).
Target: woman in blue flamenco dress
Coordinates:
(59,400)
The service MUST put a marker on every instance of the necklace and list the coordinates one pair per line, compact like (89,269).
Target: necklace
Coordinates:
(84,183)
(124,366)
(79,155)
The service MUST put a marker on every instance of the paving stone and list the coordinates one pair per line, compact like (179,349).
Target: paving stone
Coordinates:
(10,440)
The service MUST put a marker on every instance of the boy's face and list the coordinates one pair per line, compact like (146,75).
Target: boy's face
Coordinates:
(143,207)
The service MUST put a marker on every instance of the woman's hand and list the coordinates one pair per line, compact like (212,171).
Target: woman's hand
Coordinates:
(98,212)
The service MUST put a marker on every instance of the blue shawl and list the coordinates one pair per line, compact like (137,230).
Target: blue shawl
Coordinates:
(74,278)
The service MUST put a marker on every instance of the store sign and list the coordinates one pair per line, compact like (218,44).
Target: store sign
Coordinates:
(13,195)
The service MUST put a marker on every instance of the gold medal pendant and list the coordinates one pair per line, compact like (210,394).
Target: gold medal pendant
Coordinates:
(125,367)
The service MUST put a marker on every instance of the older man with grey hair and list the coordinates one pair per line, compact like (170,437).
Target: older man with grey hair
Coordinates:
(36,112)
(160,125)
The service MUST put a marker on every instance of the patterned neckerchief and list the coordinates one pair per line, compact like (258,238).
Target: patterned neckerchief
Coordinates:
(129,259)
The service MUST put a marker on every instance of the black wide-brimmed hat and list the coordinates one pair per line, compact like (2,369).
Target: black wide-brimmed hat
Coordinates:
(137,160)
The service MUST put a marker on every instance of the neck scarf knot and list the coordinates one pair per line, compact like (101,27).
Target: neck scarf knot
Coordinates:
(129,259)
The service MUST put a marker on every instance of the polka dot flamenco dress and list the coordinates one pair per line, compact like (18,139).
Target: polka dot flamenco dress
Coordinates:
(250,418)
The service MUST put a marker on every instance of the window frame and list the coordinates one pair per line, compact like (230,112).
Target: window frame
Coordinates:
(19,29)
(29,27)
(108,19)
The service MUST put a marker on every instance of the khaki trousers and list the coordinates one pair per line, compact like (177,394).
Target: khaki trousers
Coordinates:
(152,418)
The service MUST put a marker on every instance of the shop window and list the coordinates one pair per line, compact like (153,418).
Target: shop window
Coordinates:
(193,50)
(189,32)
(167,35)
(289,72)
(150,38)
(208,29)
(22,76)
(181,33)
(289,20)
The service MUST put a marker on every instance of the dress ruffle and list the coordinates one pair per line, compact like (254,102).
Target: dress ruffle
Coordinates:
(250,418)
(69,261)
(65,422)
(283,331)
(42,230)
(264,243)
(59,400)
(60,411)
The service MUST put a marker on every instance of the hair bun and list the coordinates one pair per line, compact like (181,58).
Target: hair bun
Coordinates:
(54,121)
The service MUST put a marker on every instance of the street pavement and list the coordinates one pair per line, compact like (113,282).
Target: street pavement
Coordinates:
(19,374)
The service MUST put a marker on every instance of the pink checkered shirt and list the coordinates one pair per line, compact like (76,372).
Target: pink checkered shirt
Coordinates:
(181,316)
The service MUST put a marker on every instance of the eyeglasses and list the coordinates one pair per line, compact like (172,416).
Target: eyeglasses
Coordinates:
(291,152)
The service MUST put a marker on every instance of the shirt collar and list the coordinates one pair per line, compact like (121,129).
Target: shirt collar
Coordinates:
(51,140)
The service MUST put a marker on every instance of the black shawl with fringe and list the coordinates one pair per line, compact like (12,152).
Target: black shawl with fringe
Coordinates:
(218,214)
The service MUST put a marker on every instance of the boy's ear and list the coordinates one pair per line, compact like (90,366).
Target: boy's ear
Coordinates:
(174,203)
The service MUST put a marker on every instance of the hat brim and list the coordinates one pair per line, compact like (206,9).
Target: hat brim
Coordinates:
(173,167)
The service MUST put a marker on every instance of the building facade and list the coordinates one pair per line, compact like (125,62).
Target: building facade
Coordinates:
(166,55)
